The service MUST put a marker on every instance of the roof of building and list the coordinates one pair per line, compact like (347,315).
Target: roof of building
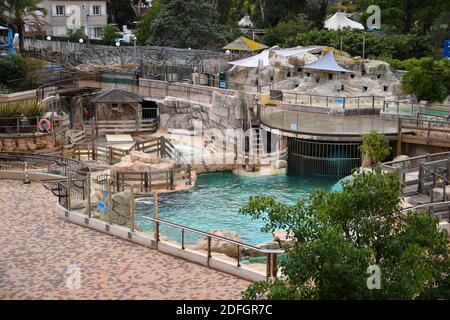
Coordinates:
(245,22)
(340,21)
(326,63)
(116,96)
(245,44)
(252,62)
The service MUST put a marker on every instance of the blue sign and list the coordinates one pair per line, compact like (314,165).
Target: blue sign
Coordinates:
(293,126)
(222,84)
(447,48)
(101,206)
(340,101)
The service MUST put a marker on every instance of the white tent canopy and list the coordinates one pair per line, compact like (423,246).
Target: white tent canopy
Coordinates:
(326,63)
(245,22)
(252,62)
(340,21)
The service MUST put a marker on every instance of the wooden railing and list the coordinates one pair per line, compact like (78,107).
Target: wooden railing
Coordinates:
(124,126)
(422,175)
(431,133)
(147,181)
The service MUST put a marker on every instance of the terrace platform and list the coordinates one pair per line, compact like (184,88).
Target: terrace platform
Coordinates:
(300,124)
(37,248)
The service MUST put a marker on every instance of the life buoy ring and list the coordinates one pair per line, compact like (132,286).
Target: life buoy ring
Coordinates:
(44,125)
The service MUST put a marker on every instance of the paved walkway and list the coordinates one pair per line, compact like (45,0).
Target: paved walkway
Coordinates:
(37,248)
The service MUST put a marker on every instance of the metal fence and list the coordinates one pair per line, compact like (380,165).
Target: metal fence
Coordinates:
(320,158)
(321,101)
(18,125)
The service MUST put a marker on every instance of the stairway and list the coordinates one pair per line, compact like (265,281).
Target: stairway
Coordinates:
(256,141)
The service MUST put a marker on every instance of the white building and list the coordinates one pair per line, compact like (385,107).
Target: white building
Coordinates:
(63,15)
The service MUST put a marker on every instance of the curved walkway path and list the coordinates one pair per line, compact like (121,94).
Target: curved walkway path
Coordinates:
(36,249)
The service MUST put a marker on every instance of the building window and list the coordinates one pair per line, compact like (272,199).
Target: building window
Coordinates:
(96,10)
(365,88)
(352,76)
(96,33)
(59,10)
(330,76)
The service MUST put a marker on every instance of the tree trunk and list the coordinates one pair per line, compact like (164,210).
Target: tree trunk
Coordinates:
(262,8)
(20,28)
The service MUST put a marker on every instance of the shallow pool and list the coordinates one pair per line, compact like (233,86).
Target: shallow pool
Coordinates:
(214,202)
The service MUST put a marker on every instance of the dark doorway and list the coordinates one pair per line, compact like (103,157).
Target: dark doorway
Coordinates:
(149,109)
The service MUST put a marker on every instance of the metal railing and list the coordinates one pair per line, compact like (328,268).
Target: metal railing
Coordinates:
(323,101)
(270,254)
(297,121)
(415,109)
(19,124)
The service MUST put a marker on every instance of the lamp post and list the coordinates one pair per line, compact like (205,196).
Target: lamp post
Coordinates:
(88,41)
(120,52)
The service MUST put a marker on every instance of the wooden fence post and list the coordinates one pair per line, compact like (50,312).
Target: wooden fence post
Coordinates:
(132,209)
(156,223)
(88,179)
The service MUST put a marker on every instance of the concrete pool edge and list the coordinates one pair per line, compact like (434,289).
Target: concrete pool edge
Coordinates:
(166,247)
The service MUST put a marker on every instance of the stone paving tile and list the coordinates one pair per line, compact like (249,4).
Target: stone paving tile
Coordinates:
(36,248)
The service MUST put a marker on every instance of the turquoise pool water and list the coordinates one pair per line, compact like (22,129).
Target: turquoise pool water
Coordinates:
(214,202)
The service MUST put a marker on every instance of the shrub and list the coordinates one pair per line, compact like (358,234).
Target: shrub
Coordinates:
(391,46)
(110,34)
(25,109)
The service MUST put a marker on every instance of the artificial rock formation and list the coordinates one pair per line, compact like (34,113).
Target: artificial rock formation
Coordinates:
(26,143)
(138,161)
(220,246)
(368,77)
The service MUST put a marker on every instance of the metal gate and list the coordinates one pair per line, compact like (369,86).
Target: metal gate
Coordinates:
(321,158)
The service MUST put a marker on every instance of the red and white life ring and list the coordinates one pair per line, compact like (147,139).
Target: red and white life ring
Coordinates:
(44,125)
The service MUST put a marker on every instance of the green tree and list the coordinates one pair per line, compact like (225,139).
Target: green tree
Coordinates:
(392,46)
(283,30)
(375,146)
(120,12)
(110,34)
(187,23)
(12,67)
(75,34)
(145,22)
(408,15)
(427,81)
(17,13)
(338,235)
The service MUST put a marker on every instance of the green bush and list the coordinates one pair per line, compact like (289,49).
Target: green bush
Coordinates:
(11,68)
(284,30)
(28,109)
(376,45)
(375,146)
(76,34)
(109,34)
(428,80)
